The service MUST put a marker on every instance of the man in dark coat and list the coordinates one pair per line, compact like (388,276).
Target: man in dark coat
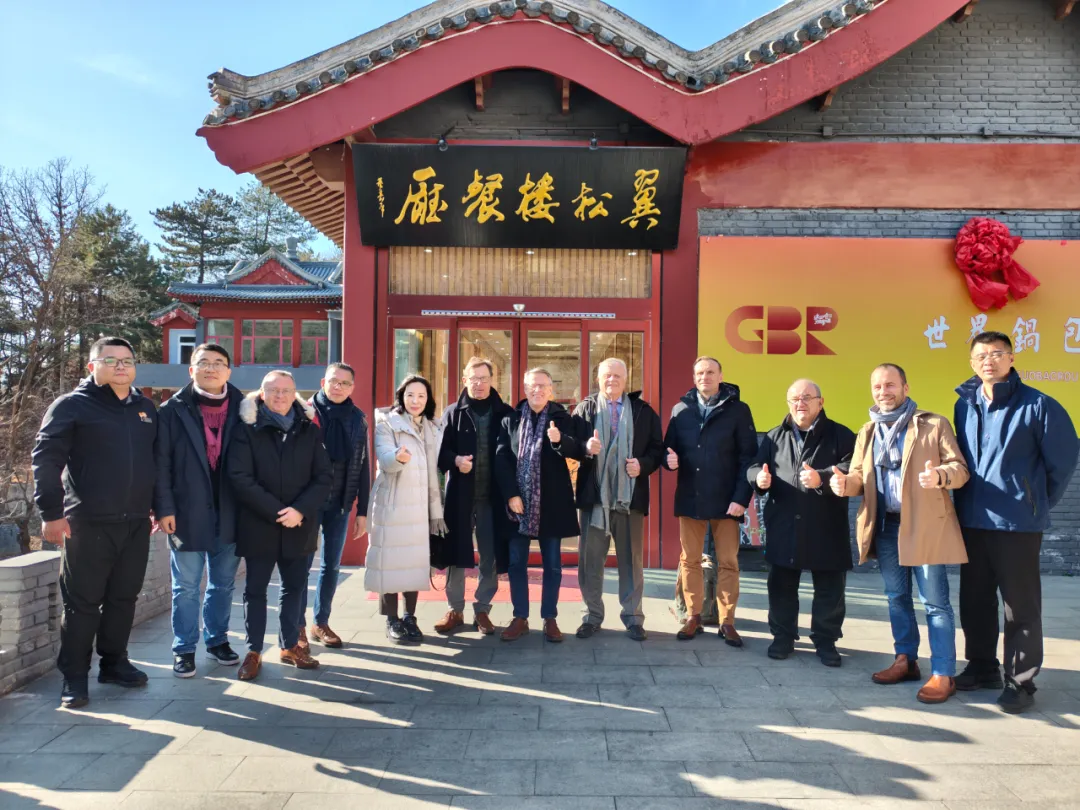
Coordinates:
(711,442)
(94,476)
(473,505)
(281,476)
(194,505)
(806,524)
(1021,448)
(344,431)
(624,446)
(535,440)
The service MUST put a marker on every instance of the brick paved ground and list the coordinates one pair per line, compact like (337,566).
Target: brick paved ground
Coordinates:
(606,723)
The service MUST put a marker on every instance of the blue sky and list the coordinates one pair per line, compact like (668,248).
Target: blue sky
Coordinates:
(120,86)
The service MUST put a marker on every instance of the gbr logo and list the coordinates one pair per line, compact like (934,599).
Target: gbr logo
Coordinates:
(781,329)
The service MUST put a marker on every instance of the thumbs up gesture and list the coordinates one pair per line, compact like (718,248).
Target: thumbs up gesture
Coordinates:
(672,459)
(403,455)
(593,446)
(464,463)
(809,477)
(838,482)
(929,477)
(554,435)
(764,478)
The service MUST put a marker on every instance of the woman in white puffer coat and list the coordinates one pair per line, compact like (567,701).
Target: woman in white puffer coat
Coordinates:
(406,506)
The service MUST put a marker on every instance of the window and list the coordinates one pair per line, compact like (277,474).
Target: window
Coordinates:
(314,343)
(425,352)
(267,343)
(221,333)
(627,346)
(186,344)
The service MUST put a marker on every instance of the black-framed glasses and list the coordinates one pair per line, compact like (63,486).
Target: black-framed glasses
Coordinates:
(995,356)
(116,362)
(217,365)
(806,399)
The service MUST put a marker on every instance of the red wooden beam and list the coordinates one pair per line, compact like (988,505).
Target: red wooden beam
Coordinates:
(478,86)
(690,118)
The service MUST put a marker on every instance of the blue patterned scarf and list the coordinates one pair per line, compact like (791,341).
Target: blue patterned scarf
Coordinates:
(530,447)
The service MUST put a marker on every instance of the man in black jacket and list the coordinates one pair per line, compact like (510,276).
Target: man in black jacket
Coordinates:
(195,506)
(624,446)
(467,457)
(806,524)
(711,442)
(344,432)
(94,475)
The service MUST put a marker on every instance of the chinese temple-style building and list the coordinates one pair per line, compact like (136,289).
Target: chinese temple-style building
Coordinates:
(551,183)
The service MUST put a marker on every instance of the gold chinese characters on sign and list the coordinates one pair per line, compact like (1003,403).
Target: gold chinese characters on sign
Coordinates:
(425,203)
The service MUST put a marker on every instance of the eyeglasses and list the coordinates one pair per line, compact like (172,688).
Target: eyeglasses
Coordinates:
(116,362)
(995,356)
(280,392)
(340,384)
(477,380)
(806,399)
(217,365)
(537,386)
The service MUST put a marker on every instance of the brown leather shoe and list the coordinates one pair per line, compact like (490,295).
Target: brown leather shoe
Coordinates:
(298,657)
(551,631)
(730,635)
(483,624)
(901,670)
(323,633)
(302,641)
(690,629)
(249,670)
(450,622)
(517,629)
(937,690)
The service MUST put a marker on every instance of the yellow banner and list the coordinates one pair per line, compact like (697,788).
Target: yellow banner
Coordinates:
(773,310)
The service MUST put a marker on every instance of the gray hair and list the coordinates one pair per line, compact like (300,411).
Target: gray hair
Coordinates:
(278,372)
(609,361)
(539,370)
(817,388)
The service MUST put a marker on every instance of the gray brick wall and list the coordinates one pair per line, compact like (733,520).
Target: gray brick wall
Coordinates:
(1061,545)
(1010,68)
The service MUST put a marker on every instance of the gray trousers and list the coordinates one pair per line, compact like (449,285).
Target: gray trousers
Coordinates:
(627,530)
(488,584)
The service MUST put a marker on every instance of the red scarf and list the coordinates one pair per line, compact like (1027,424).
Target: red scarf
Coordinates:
(213,419)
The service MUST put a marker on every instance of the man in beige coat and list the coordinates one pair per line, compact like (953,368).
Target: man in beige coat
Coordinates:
(904,460)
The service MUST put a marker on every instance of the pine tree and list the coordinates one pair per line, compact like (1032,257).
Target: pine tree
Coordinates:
(265,221)
(200,235)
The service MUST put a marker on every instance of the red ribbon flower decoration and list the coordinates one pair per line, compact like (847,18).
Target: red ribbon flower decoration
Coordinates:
(984,249)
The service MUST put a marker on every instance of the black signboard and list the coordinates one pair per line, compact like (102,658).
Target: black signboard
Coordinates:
(519,196)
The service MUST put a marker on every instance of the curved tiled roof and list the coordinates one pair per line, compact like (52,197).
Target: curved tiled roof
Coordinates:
(277,293)
(785,31)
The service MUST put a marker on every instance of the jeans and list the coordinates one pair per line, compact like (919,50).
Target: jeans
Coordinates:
(101,573)
(551,555)
(293,573)
(187,570)
(626,530)
(827,610)
(488,582)
(335,524)
(933,593)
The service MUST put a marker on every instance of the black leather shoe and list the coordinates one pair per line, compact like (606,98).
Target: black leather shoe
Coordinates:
(395,630)
(1015,699)
(829,655)
(412,630)
(637,632)
(75,693)
(587,630)
(122,673)
(224,654)
(975,677)
(184,665)
(780,648)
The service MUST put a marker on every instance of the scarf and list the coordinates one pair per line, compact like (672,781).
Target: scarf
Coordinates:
(214,413)
(284,422)
(616,487)
(337,426)
(530,446)
(887,453)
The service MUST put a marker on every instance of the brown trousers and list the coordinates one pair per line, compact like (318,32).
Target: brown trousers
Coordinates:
(692,539)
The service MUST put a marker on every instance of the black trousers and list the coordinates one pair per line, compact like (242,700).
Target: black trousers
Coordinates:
(293,572)
(388,604)
(101,575)
(1009,562)
(826,612)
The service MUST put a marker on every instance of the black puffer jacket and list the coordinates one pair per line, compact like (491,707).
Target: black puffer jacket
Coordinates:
(805,529)
(271,470)
(713,454)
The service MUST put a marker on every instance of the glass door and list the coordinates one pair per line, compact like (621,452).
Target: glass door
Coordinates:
(495,342)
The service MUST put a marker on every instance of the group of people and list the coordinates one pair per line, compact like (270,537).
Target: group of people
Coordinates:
(257,477)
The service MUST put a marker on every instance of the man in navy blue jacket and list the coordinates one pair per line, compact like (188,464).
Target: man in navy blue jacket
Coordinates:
(1021,448)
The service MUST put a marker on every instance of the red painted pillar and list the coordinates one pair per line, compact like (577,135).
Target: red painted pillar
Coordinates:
(358,313)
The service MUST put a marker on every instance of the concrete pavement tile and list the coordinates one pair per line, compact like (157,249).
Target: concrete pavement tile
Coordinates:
(928,782)
(63,799)
(766,780)
(815,746)
(20,739)
(92,739)
(259,740)
(893,721)
(485,746)
(861,803)
(218,714)
(689,719)
(548,654)
(435,777)
(533,803)
(33,771)
(314,774)
(611,779)
(211,688)
(573,672)
(346,715)
(172,772)
(742,676)
(793,697)
(497,718)
(564,694)
(677,746)
(98,712)
(872,695)
(211,800)
(819,675)
(345,801)
(426,743)
(1043,784)
(722,656)
(17,705)
(651,655)
(273,690)
(702,696)
(691,803)
(603,718)
(1011,804)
